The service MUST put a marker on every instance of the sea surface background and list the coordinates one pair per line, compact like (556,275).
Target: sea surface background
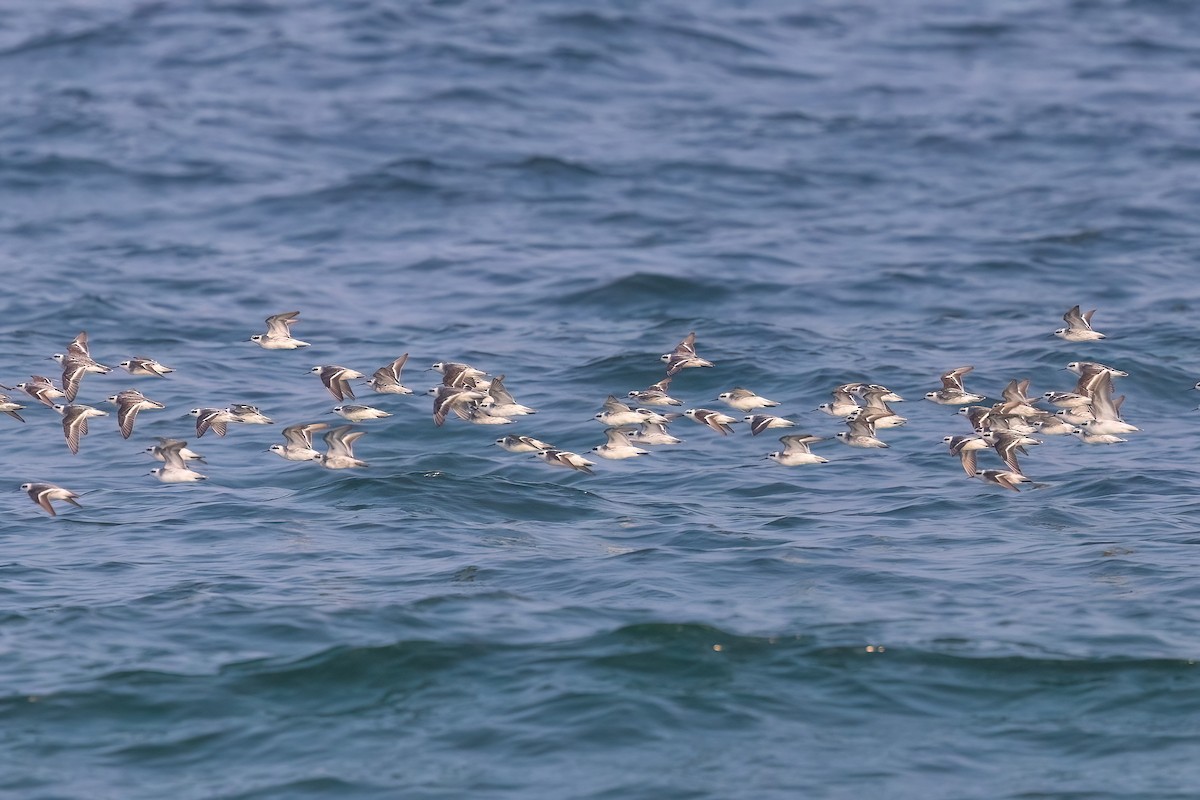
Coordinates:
(558,192)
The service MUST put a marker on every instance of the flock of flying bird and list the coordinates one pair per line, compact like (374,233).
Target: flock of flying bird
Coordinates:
(1089,411)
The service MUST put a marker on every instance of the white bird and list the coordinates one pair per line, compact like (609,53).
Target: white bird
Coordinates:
(965,447)
(861,434)
(75,365)
(656,395)
(456,399)
(357,413)
(744,399)
(175,468)
(177,475)
(1067,399)
(565,458)
(299,442)
(684,356)
(843,404)
(74,422)
(1079,326)
(11,408)
(279,333)
(1096,438)
(618,446)
(796,451)
(249,415)
(43,493)
(714,419)
(503,403)
(653,433)
(761,422)
(953,393)
(1002,477)
(616,414)
(386,379)
(457,374)
(339,452)
(42,389)
(337,379)
(214,418)
(159,450)
(1106,410)
(129,403)
(522,444)
(145,367)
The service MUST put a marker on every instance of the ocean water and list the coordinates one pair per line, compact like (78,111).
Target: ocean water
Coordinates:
(558,192)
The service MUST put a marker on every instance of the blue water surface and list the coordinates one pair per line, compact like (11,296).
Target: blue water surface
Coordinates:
(559,192)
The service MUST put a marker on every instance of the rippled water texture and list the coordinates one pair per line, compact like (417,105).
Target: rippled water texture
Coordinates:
(558,192)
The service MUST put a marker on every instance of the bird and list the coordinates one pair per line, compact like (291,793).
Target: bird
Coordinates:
(653,433)
(75,365)
(684,356)
(159,450)
(878,417)
(74,422)
(655,395)
(565,458)
(861,434)
(1096,438)
(299,442)
(877,399)
(1007,445)
(761,422)
(1001,477)
(481,413)
(43,493)
(1067,399)
(457,374)
(42,389)
(885,394)
(145,367)
(744,399)
(248,415)
(357,413)
(1106,410)
(1050,425)
(214,418)
(279,333)
(522,444)
(503,403)
(177,475)
(129,403)
(952,391)
(339,448)
(386,379)
(714,419)
(965,447)
(11,408)
(79,345)
(1081,367)
(456,399)
(844,402)
(617,414)
(1079,326)
(337,379)
(1016,400)
(175,468)
(618,446)
(796,451)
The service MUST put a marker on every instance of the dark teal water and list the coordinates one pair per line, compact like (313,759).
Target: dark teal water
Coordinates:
(558,192)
